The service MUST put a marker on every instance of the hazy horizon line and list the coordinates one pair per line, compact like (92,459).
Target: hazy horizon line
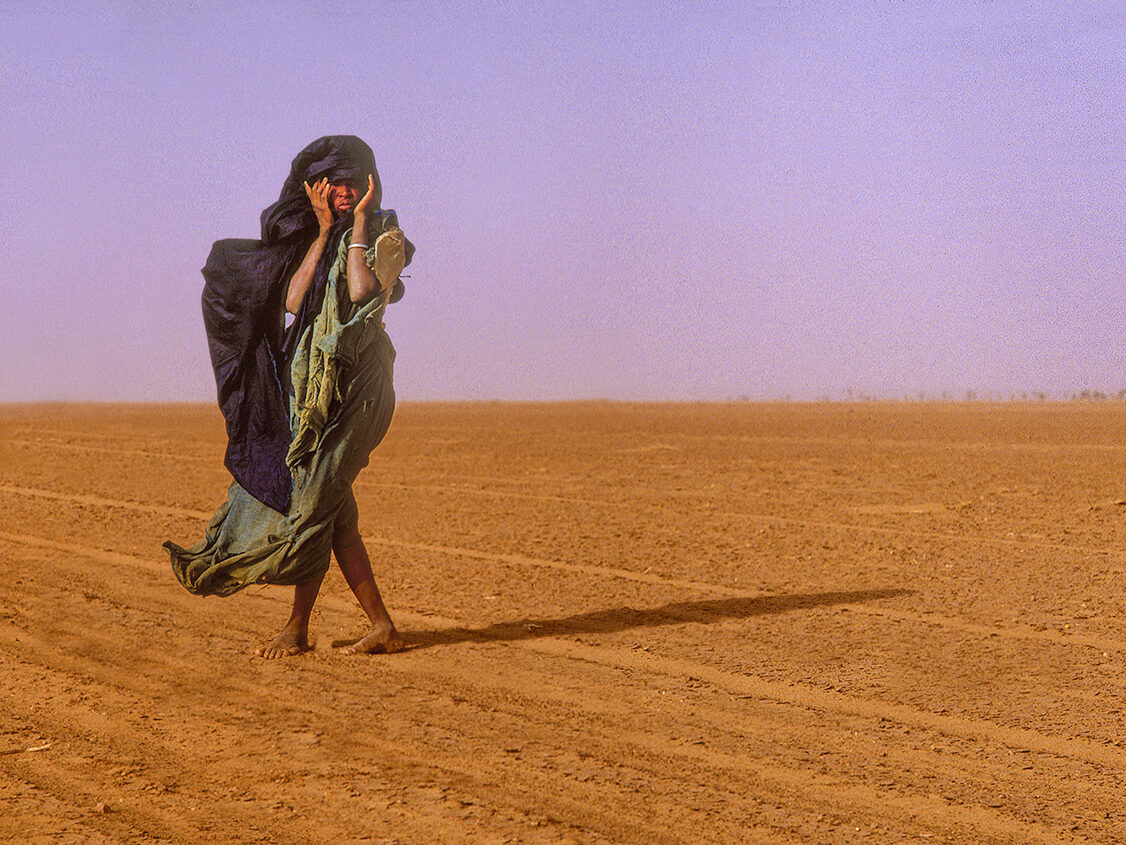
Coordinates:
(856,398)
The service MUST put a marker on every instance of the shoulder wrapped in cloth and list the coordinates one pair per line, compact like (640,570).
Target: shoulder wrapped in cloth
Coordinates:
(343,400)
(244,313)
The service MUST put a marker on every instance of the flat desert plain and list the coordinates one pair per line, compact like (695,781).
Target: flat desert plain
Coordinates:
(629,623)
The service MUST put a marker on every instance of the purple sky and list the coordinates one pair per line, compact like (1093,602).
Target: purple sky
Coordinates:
(629,201)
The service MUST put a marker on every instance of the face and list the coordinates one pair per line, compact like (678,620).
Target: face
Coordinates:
(343,195)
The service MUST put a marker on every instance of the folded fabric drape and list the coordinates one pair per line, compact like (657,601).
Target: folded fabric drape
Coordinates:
(243,301)
(341,407)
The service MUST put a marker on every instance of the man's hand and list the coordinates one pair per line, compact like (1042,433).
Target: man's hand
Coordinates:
(318,197)
(361,210)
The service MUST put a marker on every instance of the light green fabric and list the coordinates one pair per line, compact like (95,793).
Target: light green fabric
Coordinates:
(342,406)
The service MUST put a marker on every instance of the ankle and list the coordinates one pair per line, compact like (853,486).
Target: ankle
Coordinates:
(297,625)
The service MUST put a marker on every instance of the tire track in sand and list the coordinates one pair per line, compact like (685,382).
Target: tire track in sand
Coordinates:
(582,500)
(891,443)
(977,730)
(107,450)
(105,718)
(102,502)
(817,791)
(797,442)
(894,531)
(1015,633)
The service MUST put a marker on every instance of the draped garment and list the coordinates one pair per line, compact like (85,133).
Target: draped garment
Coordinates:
(244,310)
(340,409)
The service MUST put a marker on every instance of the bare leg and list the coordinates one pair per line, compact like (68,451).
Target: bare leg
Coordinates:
(294,637)
(354,562)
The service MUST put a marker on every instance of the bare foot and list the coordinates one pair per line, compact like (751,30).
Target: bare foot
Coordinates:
(382,639)
(286,644)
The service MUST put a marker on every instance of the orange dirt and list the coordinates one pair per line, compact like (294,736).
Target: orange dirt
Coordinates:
(630,623)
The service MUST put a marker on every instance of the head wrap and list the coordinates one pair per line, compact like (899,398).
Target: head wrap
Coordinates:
(335,157)
(244,291)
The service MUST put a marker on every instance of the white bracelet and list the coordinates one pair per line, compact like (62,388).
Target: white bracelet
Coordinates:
(358,246)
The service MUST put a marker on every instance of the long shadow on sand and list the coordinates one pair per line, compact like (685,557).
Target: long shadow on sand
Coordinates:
(616,619)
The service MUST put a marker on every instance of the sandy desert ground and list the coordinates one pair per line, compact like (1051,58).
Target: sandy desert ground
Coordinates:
(629,623)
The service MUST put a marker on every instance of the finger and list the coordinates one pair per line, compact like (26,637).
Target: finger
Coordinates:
(370,191)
